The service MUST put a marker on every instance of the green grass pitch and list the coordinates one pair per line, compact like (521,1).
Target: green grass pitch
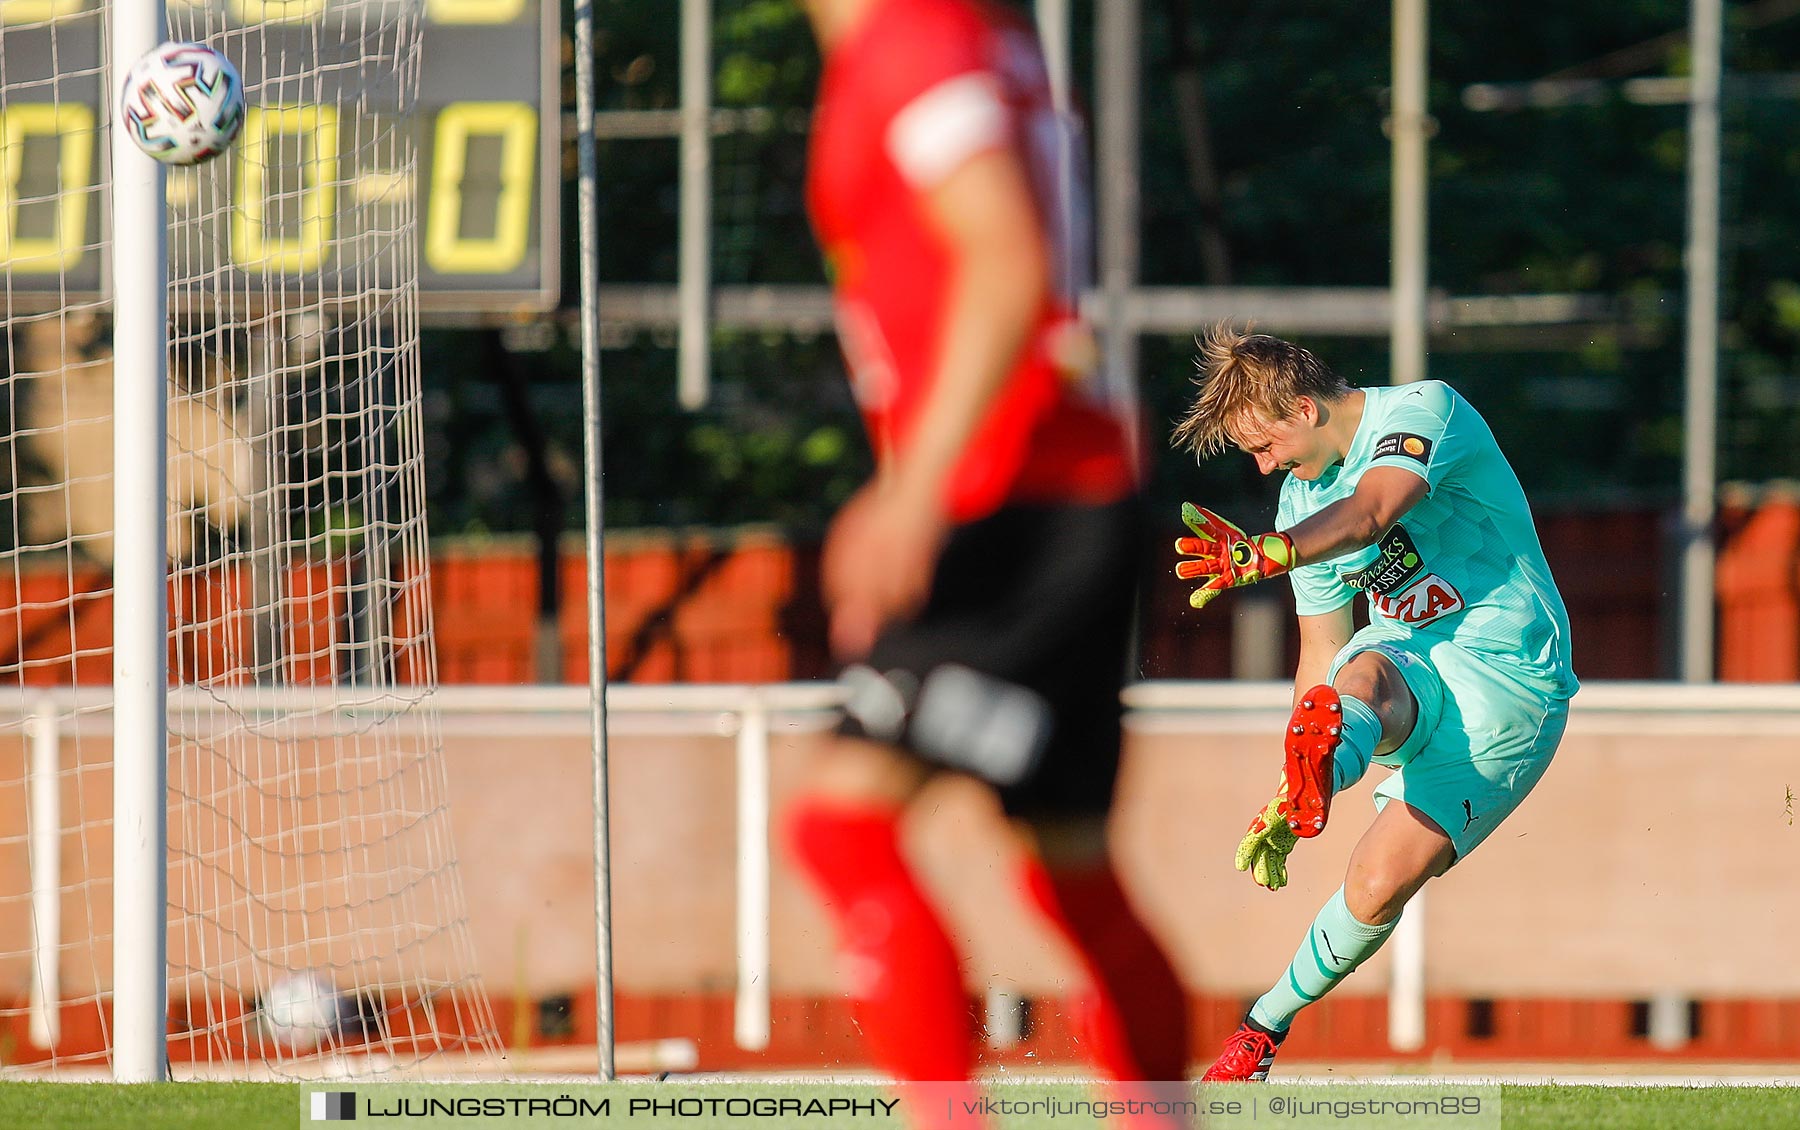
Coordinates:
(251,1106)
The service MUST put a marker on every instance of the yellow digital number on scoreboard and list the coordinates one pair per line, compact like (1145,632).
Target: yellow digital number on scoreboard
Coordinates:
(473,11)
(515,125)
(17,12)
(277,11)
(72,126)
(251,246)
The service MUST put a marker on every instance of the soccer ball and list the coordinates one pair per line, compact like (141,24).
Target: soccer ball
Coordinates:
(182,103)
(302,1011)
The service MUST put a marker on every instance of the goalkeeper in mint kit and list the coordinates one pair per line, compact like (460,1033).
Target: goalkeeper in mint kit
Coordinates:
(1461,681)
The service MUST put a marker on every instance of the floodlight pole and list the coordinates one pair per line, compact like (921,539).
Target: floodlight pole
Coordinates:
(1053,33)
(1053,36)
(1118,40)
(693,354)
(586,206)
(1700,411)
(140,578)
(1409,126)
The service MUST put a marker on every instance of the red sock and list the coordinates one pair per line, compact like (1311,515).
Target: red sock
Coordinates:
(1134,1014)
(907,988)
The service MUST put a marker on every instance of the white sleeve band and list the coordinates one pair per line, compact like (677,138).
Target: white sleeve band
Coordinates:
(940,129)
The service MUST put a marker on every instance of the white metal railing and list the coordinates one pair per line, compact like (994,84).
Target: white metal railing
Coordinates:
(44,801)
(749,713)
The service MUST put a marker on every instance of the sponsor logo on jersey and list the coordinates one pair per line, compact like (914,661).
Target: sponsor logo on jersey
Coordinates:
(1396,564)
(1404,443)
(1429,598)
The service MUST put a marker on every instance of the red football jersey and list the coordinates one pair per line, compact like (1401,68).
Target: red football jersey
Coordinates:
(917,89)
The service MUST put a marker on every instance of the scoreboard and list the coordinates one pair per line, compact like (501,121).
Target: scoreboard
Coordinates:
(320,180)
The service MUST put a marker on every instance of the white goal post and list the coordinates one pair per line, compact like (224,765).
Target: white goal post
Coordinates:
(140,569)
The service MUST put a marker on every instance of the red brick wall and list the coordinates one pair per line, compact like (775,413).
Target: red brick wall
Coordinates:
(708,607)
(1758,581)
(744,607)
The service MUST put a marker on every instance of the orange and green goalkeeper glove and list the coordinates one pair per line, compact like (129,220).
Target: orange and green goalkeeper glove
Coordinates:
(1264,849)
(1225,556)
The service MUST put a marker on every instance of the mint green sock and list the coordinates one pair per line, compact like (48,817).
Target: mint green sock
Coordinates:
(1336,943)
(1362,733)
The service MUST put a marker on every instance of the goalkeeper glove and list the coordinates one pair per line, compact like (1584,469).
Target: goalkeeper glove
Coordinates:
(1225,556)
(1264,849)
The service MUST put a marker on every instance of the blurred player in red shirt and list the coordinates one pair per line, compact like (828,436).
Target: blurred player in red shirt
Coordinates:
(981,586)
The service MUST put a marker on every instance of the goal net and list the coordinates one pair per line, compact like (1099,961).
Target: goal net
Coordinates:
(315,916)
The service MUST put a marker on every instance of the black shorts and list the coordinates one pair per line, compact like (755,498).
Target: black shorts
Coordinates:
(1023,639)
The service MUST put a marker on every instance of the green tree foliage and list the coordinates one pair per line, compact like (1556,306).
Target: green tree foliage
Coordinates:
(1586,198)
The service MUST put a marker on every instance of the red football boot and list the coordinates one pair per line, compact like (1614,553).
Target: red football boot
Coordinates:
(1313,733)
(1247,1055)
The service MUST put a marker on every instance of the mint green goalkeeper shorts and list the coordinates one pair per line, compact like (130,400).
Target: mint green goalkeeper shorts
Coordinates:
(1481,742)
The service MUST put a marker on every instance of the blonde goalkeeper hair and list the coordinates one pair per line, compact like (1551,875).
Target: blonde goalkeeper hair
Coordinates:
(1241,373)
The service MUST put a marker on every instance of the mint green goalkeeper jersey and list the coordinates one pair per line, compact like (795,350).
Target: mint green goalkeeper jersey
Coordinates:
(1464,564)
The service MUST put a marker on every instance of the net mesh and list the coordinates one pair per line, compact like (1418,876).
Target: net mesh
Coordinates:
(315,914)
